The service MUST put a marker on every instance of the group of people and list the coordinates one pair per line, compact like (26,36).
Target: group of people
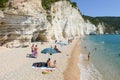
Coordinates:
(34,50)
(49,64)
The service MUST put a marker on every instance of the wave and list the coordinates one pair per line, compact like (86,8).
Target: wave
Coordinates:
(87,70)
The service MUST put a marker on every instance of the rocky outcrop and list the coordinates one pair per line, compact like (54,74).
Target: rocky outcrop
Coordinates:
(101,28)
(91,29)
(25,21)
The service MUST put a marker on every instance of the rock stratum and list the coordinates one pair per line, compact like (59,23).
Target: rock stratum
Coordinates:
(24,21)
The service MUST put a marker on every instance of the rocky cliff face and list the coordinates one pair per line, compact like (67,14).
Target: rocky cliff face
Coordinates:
(90,28)
(24,21)
(66,20)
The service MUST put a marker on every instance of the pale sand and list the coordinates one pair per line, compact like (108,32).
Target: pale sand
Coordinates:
(72,72)
(15,65)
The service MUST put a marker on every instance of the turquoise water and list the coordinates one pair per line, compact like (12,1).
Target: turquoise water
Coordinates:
(105,54)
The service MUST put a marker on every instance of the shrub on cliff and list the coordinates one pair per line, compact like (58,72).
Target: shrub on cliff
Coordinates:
(91,19)
(3,4)
(47,3)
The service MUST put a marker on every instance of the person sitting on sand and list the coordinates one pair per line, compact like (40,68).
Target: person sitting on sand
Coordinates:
(56,49)
(54,64)
(48,63)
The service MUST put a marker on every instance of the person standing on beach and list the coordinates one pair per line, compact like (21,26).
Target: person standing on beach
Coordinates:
(36,51)
(32,49)
(88,56)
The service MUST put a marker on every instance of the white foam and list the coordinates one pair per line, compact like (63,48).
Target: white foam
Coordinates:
(88,70)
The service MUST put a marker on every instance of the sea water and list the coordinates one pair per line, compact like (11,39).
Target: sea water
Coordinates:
(105,56)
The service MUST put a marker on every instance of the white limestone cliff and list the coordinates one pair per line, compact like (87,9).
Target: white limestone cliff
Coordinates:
(101,28)
(25,21)
(90,28)
(66,20)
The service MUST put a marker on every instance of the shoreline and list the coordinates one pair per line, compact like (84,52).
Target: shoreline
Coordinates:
(72,71)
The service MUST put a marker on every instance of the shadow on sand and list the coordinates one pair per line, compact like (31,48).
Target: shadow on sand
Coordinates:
(30,56)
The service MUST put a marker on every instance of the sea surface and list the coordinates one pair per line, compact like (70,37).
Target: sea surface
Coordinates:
(104,55)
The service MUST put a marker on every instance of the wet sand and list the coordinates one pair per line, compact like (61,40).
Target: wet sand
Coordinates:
(72,71)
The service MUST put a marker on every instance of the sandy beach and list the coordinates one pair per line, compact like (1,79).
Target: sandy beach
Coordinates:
(16,65)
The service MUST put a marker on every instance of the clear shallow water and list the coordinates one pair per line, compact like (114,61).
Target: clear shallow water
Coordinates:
(87,70)
(105,50)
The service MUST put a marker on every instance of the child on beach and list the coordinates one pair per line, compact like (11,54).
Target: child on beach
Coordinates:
(36,51)
(32,48)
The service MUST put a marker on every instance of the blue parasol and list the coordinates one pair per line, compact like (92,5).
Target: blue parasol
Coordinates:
(48,50)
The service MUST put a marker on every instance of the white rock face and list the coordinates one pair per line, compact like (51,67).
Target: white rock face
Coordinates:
(90,28)
(25,21)
(1,14)
(101,28)
(66,20)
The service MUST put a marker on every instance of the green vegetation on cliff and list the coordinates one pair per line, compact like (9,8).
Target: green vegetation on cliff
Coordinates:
(91,19)
(112,24)
(3,4)
(47,3)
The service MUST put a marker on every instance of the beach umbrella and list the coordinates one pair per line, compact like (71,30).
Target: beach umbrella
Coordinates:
(62,43)
(48,50)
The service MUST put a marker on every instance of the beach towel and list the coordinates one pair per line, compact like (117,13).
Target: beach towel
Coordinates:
(39,64)
(42,65)
(47,68)
(44,68)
